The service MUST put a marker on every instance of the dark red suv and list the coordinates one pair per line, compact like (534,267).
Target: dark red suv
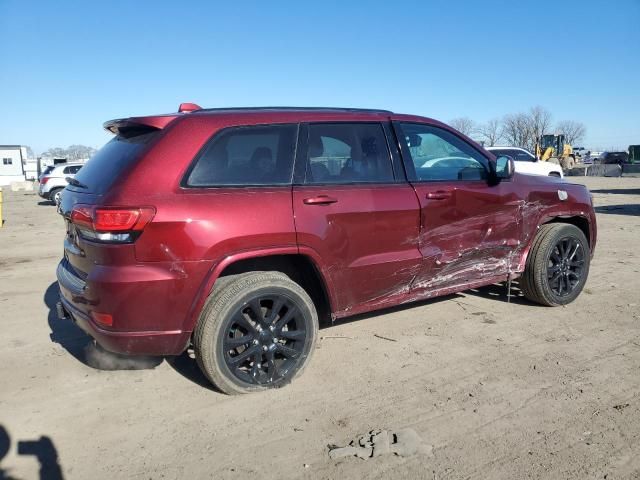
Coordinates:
(235,230)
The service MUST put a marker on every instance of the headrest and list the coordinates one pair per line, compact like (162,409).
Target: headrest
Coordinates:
(260,153)
(369,146)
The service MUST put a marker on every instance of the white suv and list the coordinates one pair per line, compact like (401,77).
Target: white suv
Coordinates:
(54,179)
(526,162)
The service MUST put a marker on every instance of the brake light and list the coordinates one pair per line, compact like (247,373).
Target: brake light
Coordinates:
(111,224)
(118,220)
(44,180)
(82,216)
(102,318)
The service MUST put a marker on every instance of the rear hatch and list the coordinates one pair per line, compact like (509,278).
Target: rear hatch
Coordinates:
(97,233)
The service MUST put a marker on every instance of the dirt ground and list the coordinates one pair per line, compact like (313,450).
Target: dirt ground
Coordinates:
(499,390)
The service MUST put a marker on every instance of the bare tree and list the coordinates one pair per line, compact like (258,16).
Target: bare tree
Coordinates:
(491,132)
(73,152)
(464,125)
(539,123)
(573,131)
(524,129)
(516,130)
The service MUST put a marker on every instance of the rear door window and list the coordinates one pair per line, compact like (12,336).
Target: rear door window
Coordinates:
(259,155)
(108,163)
(345,153)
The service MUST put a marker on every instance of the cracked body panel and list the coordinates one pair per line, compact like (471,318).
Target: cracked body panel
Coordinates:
(481,234)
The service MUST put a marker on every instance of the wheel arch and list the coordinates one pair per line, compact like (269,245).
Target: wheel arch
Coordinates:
(580,221)
(300,267)
(577,220)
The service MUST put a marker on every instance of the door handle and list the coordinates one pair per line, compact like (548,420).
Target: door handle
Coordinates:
(438,195)
(320,200)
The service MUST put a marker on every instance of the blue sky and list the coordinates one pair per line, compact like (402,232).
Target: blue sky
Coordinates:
(69,66)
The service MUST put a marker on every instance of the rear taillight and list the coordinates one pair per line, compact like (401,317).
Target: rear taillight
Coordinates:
(44,180)
(122,219)
(102,318)
(111,224)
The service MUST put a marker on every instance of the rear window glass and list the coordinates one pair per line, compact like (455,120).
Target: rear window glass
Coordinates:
(106,165)
(73,169)
(517,155)
(241,156)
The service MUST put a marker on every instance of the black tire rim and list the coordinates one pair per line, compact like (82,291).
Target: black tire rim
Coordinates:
(264,341)
(566,265)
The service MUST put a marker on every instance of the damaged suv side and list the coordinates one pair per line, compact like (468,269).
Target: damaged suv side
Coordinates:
(233,231)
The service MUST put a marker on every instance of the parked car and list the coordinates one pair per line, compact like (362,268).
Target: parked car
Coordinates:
(235,231)
(53,181)
(46,171)
(579,152)
(526,162)
(610,158)
(591,157)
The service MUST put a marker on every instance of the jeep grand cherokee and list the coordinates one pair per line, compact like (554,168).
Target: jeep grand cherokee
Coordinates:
(233,231)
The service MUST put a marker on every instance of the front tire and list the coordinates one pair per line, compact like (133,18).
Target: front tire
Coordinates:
(257,331)
(557,266)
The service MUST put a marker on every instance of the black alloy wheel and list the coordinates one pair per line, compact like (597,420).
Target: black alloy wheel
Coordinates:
(258,330)
(566,266)
(264,340)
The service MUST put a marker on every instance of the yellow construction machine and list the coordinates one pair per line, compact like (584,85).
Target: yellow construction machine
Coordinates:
(554,148)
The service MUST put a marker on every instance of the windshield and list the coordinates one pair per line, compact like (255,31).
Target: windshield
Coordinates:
(99,173)
(548,141)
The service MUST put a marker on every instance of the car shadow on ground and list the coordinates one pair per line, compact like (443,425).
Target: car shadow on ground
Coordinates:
(187,366)
(82,347)
(618,191)
(325,325)
(46,203)
(498,292)
(626,209)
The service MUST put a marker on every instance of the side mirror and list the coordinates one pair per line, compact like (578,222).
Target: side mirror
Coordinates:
(505,167)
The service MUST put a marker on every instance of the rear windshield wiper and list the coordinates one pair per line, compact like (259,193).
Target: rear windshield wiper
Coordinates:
(75,183)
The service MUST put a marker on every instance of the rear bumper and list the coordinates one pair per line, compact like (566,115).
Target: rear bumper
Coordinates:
(128,343)
(77,305)
(43,192)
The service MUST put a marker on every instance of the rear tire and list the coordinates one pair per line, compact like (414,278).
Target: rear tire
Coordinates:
(257,331)
(53,193)
(557,266)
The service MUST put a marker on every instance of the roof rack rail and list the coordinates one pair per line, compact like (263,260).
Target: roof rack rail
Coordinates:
(339,109)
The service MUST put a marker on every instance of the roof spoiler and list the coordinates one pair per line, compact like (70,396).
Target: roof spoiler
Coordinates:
(121,126)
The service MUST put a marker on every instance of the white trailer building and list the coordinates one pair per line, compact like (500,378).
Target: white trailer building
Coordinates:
(11,163)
